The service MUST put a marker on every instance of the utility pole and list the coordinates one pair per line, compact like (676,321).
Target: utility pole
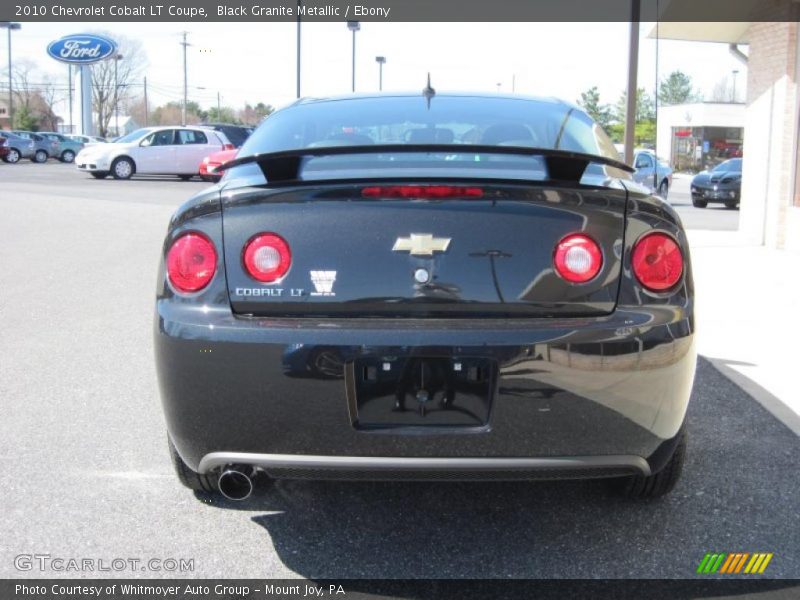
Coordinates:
(146,110)
(11,27)
(633,63)
(184,43)
(299,5)
(69,87)
(219,108)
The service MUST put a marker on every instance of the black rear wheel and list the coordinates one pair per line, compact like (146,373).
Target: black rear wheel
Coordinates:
(663,189)
(99,174)
(12,156)
(185,177)
(40,156)
(699,203)
(660,483)
(731,204)
(188,477)
(67,156)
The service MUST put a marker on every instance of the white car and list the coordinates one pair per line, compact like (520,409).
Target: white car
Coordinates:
(153,150)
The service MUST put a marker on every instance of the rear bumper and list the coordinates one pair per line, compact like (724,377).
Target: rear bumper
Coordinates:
(573,397)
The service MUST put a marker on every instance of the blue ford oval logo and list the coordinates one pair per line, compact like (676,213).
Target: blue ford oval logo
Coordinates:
(82,48)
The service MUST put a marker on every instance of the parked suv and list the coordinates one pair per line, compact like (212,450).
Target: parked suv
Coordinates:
(236,134)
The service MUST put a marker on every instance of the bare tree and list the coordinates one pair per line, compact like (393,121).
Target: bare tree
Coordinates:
(50,97)
(112,79)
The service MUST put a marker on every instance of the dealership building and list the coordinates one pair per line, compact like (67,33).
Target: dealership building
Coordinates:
(770,202)
(698,136)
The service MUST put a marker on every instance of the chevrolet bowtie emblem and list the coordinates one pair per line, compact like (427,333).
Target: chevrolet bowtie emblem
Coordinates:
(421,244)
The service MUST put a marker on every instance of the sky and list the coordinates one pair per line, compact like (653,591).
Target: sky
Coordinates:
(255,62)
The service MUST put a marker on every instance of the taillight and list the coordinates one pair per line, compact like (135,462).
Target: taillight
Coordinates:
(191,262)
(267,257)
(578,258)
(422,191)
(657,261)
(228,147)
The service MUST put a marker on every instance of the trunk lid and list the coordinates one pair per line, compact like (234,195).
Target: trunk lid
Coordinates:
(490,256)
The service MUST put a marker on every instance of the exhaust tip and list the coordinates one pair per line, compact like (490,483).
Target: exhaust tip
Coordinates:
(235,485)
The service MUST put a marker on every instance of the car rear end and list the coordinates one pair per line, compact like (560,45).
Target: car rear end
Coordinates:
(426,311)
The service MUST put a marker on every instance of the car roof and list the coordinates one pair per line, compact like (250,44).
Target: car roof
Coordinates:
(415,94)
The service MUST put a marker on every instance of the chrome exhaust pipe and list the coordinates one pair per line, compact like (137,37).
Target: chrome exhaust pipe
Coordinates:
(235,484)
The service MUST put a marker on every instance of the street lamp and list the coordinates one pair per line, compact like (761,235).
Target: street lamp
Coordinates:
(117,58)
(735,73)
(11,27)
(381,60)
(354,26)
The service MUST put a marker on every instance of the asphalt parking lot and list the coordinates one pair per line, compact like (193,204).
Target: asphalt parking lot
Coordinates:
(87,473)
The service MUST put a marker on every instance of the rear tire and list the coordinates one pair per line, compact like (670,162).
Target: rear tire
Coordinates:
(185,177)
(699,203)
(99,174)
(123,168)
(663,189)
(660,483)
(40,156)
(731,204)
(188,477)
(67,156)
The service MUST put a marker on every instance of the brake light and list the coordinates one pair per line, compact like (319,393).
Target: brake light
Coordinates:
(228,147)
(267,257)
(423,192)
(578,258)
(191,262)
(657,261)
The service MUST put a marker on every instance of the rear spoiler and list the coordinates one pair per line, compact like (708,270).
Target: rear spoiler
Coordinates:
(284,166)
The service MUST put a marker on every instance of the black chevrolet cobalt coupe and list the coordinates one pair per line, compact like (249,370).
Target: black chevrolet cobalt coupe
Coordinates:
(426,286)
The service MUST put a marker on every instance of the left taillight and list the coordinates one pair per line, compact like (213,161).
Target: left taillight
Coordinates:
(191,262)
(578,258)
(228,147)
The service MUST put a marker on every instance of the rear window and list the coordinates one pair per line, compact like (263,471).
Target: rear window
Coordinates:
(456,120)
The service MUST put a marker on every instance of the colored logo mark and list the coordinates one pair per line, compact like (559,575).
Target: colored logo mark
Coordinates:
(735,562)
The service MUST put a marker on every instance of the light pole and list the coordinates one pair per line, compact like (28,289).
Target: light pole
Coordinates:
(185,44)
(299,6)
(354,26)
(11,27)
(381,60)
(735,73)
(117,58)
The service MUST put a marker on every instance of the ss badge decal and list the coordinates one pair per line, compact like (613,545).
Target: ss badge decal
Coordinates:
(323,282)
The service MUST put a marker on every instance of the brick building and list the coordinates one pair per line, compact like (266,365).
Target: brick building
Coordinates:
(770,206)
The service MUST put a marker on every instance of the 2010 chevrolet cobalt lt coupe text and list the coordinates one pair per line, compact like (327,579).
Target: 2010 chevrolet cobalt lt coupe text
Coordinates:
(426,286)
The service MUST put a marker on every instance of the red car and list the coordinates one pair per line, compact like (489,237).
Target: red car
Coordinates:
(3,147)
(210,163)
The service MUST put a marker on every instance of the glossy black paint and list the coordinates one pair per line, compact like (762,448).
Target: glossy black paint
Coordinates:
(599,369)
(499,262)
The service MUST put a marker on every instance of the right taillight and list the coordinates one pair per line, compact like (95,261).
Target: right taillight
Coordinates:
(578,258)
(657,261)
(267,257)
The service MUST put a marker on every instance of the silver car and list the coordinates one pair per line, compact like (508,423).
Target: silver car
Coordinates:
(646,164)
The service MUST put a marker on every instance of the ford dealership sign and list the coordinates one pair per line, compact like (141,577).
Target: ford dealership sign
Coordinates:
(82,48)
